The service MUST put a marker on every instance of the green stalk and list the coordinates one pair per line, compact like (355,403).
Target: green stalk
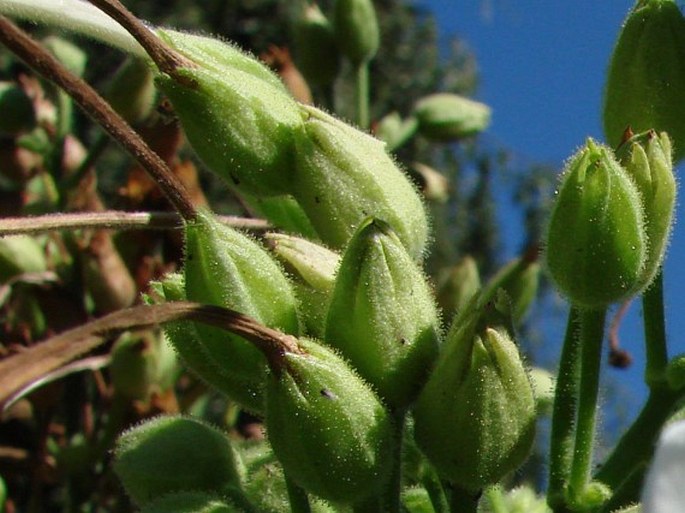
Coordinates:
(362,93)
(564,414)
(431,482)
(391,493)
(591,337)
(463,501)
(299,501)
(655,333)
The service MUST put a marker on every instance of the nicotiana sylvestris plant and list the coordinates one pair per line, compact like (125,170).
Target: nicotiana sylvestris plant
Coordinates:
(339,352)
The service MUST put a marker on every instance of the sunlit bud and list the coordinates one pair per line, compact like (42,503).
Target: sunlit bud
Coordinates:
(313,269)
(344,175)
(522,500)
(356,29)
(283,212)
(382,315)
(596,243)
(191,502)
(475,418)
(225,268)
(647,158)
(316,51)
(173,454)
(17,110)
(458,284)
(131,91)
(328,429)
(448,117)
(236,114)
(645,86)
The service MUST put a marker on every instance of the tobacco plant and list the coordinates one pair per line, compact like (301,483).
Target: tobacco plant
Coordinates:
(312,320)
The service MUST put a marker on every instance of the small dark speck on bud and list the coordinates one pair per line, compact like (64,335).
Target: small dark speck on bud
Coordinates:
(328,394)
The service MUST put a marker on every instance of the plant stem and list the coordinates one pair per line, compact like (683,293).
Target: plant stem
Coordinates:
(391,493)
(564,414)
(299,501)
(591,337)
(655,333)
(76,16)
(112,219)
(85,96)
(362,92)
(462,501)
(436,492)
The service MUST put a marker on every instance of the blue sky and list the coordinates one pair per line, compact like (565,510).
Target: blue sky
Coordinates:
(542,66)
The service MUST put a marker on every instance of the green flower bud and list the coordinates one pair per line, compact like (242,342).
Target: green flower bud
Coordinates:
(646,81)
(543,388)
(316,50)
(458,284)
(226,268)
(647,158)
(356,30)
(236,114)
(20,254)
(382,316)
(134,366)
(191,502)
(17,110)
(328,429)
(596,244)
(448,117)
(417,500)
(524,500)
(284,212)
(185,339)
(434,185)
(132,90)
(173,454)
(313,268)
(475,419)
(594,495)
(344,175)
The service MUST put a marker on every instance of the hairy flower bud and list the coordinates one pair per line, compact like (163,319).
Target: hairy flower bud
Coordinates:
(134,366)
(344,175)
(20,254)
(448,117)
(596,243)
(645,87)
(647,158)
(458,284)
(316,50)
(328,429)
(475,418)
(356,29)
(382,315)
(395,131)
(237,115)
(172,454)
(225,268)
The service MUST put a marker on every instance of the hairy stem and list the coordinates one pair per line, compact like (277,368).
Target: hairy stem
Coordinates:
(362,92)
(655,333)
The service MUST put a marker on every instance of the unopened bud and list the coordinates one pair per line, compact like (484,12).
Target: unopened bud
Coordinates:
(356,30)
(20,254)
(382,315)
(458,284)
(134,366)
(225,268)
(645,87)
(344,176)
(596,244)
(173,454)
(475,418)
(647,158)
(328,429)
(236,114)
(132,90)
(448,117)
